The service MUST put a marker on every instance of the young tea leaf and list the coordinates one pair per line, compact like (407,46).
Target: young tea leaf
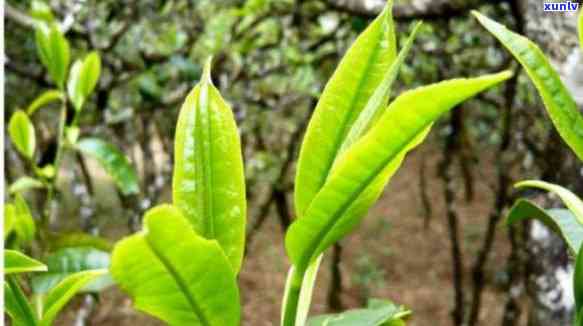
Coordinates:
(557,99)
(17,262)
(53,51)
(208,183)
(25,183)
(22,133)
(176,275)
(358,75)
(44,99)
(24,225)
(115,163)
(83,79)
(63,292)
(561,221)
(573,203)
(16,304)
(361,174)
(69,261)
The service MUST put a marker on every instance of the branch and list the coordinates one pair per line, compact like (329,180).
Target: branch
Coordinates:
(417,9)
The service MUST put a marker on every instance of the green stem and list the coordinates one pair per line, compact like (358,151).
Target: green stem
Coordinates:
(293,296)
(57,162)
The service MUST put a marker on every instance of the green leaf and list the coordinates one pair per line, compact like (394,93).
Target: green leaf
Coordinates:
(176,275)
(24,184)
(24,225)
(41,11)
(578,282)
(44,99)
(358,75)
(573,203)
(208,183)
(115,163)
(16,304)
(378,313)
(17,262)
(61,294)
(359,177)
(561,221)
(58,241)
(22,133)
(53,51)
(66,262)
(379,99)
(9,217)
(557,99)
(83,79)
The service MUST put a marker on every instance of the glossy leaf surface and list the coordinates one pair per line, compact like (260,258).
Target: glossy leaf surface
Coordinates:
(83,79)
(53,51)
(346,94)
(561,221)
(208,183)
(361,174)
(69,261)
(378,312)
(573,203)
(22,133)
(115,163)
(44,99)
(559,103)
(17,262)
(176,275)
(62,293)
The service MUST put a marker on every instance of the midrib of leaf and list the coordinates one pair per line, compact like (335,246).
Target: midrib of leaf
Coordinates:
(205,159)
(338,139)
(350,198)
(182,284)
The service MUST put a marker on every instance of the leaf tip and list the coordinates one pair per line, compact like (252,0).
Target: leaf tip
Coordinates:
(206,72)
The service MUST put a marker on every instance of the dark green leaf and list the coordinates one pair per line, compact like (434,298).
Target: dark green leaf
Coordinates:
(115,163)
(561,221)
(16,304)
(69,261)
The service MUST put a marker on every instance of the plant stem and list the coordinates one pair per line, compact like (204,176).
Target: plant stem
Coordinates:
(57,162)
(293,296)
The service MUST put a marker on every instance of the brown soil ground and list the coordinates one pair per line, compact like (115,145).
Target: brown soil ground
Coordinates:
(391,255)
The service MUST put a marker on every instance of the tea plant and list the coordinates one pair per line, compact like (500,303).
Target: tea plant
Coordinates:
(182,267)
(76,263)
(567,119)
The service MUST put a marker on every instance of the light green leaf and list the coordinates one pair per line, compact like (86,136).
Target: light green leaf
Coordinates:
(561,221)
(307,288)
(176,275)
(113,161)
(361,174)
(358,75)
(557,99)
(61,294)
(378,313)
(208,183)
(24,184)
(578,282)
(573,203)
(379,99)
(24,225)
(53,51)
(16,304)
(83,79)
(68,261)
(58,241)
(44,99)
(22,134)
(9,216)
(41,11)
(17,262)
